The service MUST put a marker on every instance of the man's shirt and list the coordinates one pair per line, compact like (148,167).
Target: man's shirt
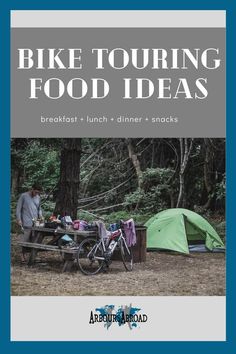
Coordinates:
(28,208)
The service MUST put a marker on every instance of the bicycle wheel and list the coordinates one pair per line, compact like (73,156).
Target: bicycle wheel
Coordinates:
(88,250)
(126,255)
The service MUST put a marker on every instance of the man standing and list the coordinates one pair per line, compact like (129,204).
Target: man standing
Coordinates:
(28,208)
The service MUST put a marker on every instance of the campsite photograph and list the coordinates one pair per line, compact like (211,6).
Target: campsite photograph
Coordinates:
(118,216)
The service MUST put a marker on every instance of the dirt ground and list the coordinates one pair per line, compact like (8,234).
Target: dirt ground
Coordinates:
(162,274)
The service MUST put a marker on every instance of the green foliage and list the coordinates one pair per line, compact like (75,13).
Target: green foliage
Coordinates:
(157,175)
(124,215)
(83,215)
(134,198)
(41,164)
(14,227)
(155,192)
(221,189)
(47,208)
(109,176)
(221,229)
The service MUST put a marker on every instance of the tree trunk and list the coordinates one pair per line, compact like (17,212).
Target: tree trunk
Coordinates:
(181,191)
(185,150)
(172,201)
(208,172)
(136,163)
(134,158)
(68,186)
(15,180)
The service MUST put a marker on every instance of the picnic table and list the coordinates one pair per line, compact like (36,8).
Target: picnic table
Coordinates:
(39,242)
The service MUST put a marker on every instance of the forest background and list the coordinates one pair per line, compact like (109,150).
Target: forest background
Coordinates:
(122,178)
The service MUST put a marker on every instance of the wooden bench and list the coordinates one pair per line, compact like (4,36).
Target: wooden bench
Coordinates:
(69,254)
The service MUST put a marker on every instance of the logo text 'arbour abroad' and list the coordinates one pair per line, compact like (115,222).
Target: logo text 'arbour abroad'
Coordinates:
(123,315)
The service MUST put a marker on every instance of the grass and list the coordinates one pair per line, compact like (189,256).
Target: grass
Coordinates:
(163,273)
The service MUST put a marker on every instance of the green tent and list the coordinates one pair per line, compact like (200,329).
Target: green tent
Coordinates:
(174,229)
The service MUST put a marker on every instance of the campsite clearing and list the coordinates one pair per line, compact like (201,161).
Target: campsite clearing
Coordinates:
(162,274)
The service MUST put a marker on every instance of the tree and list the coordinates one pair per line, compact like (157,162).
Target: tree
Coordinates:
(185,150)
(68,185)
(17,147)
(213,175)
(135,161)
(137,174)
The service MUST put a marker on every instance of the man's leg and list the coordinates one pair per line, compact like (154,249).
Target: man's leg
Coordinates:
(25,237)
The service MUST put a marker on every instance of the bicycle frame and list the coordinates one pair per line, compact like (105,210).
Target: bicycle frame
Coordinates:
(102,243)
(96,255)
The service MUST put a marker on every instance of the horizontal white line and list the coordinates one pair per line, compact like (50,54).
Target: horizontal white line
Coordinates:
(118,19)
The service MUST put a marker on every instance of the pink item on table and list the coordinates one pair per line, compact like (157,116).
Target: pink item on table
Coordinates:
(76,224)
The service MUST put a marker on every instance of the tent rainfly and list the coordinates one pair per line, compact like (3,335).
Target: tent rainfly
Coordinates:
(174,229)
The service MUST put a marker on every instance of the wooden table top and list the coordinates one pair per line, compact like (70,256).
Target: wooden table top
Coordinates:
(63,231)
